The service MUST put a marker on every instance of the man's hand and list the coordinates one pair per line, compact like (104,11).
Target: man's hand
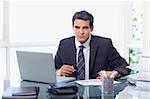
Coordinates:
(109,74)
(66,70)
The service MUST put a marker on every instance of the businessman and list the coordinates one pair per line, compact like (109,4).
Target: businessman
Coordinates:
(85,55)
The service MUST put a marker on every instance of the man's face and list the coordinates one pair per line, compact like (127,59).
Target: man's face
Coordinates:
(82,30)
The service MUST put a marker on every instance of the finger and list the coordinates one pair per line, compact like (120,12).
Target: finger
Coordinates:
(65,71)
(98,77)
(69,68)
(108,73)
(68,72)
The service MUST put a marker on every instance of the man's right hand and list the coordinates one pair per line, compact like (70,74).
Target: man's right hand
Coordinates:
(67,70)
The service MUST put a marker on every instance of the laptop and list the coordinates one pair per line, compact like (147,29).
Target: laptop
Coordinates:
(38,67)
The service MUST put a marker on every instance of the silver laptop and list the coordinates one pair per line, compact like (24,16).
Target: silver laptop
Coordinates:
(38,67)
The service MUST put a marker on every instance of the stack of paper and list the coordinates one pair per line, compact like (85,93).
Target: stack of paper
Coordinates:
(141,80)
(65,79)
(93,82)
(141,76)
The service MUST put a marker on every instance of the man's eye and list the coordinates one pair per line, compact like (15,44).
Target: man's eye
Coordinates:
(85,27)
(77,27)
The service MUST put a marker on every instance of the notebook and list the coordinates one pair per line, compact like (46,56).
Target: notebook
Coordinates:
(21,93)
(38,67)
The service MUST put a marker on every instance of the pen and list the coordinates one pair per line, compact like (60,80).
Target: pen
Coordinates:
(143,80)
(112,75)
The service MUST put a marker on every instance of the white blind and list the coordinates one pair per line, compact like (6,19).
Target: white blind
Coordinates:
(36,21)
(50,21)
(1,19)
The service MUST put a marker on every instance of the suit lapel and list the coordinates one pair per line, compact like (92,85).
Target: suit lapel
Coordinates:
(74,56)
(93,51)
(73,51)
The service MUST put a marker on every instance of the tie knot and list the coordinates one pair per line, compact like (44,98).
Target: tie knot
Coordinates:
(81,47)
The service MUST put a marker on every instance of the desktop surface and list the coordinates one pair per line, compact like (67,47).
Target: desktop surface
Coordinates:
(122,90)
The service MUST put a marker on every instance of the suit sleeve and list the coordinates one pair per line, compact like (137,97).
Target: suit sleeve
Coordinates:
(116,62)
(58,61)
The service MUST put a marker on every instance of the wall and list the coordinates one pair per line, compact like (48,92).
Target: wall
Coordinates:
(50,21)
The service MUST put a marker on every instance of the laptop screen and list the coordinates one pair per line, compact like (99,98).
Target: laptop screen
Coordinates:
(36,66)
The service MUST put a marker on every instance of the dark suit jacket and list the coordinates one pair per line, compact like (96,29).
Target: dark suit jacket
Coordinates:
(103,56)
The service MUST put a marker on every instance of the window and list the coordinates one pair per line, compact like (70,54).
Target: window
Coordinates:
(135,51)
(134,56)
(2,67)
(1,19)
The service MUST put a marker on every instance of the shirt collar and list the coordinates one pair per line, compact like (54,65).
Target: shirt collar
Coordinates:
(86,44)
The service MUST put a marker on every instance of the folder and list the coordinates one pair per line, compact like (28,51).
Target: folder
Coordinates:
(63,88)
(21,93)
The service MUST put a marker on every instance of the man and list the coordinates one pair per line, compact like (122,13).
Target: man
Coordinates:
(98,53)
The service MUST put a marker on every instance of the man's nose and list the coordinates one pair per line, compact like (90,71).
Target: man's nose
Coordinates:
(81,31)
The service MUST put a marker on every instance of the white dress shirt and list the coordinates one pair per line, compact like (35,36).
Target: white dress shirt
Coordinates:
(86,52)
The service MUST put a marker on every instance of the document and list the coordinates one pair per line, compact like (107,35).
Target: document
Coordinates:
(141,80)
(93,82)
(65,79)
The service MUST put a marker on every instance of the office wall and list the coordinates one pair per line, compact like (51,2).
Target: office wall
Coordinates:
(146,36)
(50,21)
(145,60)
(1,20)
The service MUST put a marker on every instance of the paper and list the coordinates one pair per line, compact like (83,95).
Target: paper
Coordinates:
(65,79)
(141,76)
(93,82)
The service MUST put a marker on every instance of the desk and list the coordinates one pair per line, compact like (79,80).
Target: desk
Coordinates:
(88,92)
(122,91)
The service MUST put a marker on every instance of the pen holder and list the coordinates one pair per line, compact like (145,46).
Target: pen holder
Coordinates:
(107,85)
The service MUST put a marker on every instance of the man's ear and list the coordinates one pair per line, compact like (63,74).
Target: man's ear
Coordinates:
(92,27)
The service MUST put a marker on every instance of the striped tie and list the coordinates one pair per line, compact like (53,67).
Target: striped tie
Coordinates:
(81,64)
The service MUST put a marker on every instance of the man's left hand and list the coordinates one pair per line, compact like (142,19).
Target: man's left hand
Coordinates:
(109,74)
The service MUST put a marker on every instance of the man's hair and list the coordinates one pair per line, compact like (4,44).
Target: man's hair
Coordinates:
(83,15)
